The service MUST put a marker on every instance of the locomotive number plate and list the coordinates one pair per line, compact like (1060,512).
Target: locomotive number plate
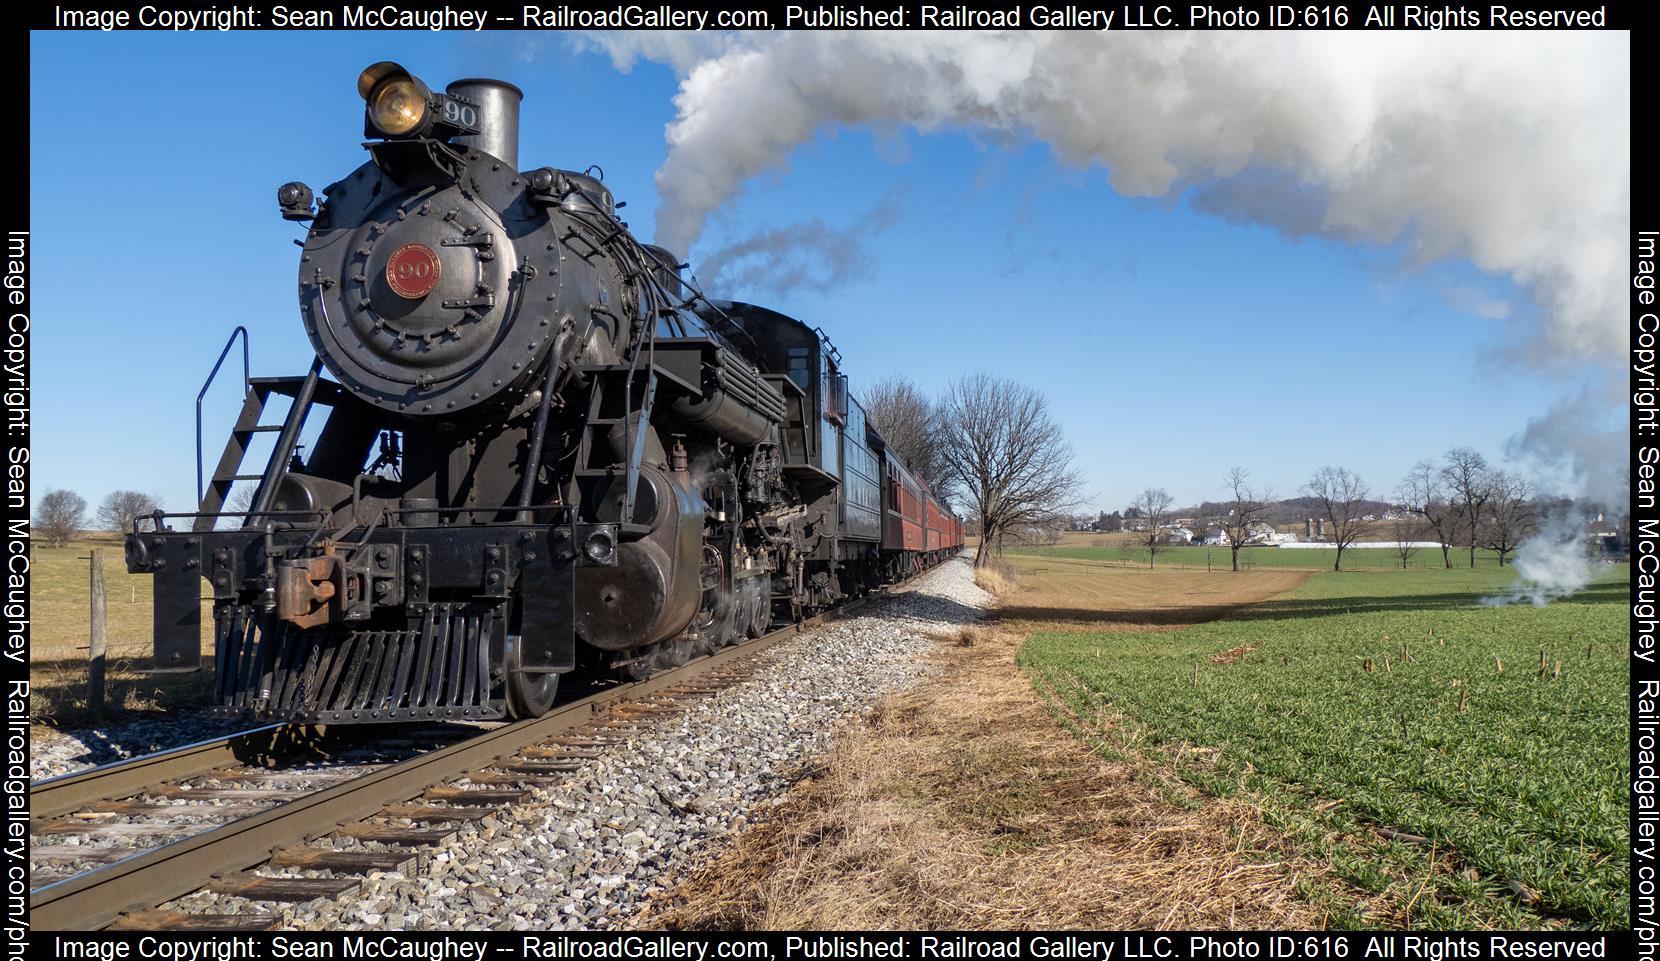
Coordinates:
(412,271)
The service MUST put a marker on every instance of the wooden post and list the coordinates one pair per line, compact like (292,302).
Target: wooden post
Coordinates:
(100,639)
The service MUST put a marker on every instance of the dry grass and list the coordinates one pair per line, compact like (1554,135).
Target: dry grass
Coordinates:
(58,691)
(964,805)
(1058,594)
(60,613)
(995,578)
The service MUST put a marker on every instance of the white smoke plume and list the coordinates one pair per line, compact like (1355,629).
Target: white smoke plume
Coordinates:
(1552,564)
(809,255)
(1509,150)
(1596,458)
(1577,439)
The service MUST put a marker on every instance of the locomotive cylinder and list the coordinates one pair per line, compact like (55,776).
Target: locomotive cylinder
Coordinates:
(651,592)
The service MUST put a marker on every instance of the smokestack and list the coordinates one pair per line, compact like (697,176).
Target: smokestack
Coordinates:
(498,117)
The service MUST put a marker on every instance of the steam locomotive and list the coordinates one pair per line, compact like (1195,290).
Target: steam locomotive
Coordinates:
(537,449)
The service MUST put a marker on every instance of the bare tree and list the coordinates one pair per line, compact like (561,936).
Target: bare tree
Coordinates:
(1469,484)
(1406,529)
(241,500)
(1511,514)
(1246,509)
(1342,497)
(1153,504)
(1424,494)
(59,516)
(121,508)
(910,423)
(1006,455)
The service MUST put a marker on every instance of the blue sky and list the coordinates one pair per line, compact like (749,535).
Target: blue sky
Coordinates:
(1173,344)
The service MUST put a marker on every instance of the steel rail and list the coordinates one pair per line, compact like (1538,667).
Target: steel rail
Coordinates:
(96,898)
(67,793)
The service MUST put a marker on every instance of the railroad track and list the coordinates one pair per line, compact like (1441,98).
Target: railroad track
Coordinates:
(218,811)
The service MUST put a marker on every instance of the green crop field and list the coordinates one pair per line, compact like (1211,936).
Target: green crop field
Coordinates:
(1264,558)
(1398,730)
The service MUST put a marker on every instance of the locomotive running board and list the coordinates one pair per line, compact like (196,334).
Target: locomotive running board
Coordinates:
(267,670)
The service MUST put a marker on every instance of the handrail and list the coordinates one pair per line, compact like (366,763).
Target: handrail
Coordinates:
(266,494)
(158,517)
(203,393)
(322,516)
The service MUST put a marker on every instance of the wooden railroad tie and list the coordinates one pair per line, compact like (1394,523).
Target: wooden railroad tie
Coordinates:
(346,862)
(100,829)
(185,921)
(484,796)
(171,809)
(221,793)
(430,812)
(72,854)
(393,834)
(258,887)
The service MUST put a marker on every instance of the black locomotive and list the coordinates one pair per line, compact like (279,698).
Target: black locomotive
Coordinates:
(542,450)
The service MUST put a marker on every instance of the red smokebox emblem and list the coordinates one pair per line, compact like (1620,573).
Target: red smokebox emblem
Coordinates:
(412,271)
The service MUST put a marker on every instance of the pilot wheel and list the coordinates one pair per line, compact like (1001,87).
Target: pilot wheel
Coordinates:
(528,694)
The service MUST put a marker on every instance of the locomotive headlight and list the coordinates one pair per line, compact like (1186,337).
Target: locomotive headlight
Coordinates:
(398,106)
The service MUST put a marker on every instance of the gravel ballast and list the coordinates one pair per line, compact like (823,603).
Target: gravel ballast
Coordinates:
(587,852)
(57,751)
